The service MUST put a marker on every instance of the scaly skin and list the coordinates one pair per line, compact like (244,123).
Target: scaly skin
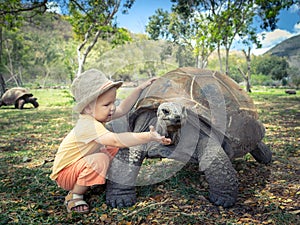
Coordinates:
(120,189)
(262,153)
(219,172)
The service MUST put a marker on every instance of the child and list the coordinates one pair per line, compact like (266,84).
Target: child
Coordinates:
(83,157)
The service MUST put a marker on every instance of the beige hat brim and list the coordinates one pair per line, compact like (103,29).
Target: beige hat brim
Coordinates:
(83,103)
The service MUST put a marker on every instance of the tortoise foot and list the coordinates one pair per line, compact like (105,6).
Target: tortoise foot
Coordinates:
(221,199)
(120,196)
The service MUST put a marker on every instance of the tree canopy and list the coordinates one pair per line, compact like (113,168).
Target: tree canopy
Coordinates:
(28,53)
(91,20)
(214,24)
(274,66)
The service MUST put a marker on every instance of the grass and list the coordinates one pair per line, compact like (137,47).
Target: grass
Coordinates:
(30,138)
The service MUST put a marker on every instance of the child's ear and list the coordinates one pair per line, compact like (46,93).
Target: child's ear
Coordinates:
(88,109)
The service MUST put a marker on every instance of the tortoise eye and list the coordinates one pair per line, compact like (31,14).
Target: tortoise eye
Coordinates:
(166,112)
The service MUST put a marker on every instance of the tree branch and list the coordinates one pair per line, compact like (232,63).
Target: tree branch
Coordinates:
(23,8)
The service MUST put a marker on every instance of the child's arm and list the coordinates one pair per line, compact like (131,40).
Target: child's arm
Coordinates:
(128,139)
(128,102)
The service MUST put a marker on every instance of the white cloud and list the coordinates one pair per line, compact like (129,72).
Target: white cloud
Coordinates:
(274,37)
(294,8)
(53,7)
(270,39)
(297,28)
(260,51)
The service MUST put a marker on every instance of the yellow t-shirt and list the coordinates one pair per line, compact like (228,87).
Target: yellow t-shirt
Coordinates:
(78,143)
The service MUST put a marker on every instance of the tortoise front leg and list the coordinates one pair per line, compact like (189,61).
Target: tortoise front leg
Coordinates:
(219,172)
(20,103)
(120,186)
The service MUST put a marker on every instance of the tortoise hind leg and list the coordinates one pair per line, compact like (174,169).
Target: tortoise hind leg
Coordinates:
(262,153)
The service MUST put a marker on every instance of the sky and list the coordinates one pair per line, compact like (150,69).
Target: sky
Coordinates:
(141,10)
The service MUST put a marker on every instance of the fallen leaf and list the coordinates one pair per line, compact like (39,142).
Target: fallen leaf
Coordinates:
(103,217)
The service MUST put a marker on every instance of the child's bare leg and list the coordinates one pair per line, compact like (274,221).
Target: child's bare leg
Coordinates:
(78,189)
(93,168)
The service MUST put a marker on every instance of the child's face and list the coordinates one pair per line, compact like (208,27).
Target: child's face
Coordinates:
(104,107)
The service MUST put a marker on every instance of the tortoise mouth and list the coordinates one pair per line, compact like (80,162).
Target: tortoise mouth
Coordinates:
(172,126)
(176,121)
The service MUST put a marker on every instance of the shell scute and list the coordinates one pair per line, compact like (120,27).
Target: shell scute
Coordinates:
(199,90)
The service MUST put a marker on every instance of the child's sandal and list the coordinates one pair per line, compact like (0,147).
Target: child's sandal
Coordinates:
(74,200)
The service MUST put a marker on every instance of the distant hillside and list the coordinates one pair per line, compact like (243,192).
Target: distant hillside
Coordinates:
(290,49)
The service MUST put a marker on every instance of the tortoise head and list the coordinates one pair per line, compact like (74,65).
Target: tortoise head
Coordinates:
(171,116)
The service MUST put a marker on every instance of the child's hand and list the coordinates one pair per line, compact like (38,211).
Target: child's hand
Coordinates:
(147,83)
(157,137)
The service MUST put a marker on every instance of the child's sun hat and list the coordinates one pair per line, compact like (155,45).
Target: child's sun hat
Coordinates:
(88,86)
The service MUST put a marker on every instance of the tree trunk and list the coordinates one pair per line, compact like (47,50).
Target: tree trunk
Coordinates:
(227,61)
(83,56)
(2,82)
(197,61)
(2,85)
(248,77)
(220,59)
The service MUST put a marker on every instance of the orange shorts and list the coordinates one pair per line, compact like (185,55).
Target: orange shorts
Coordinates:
(89,170)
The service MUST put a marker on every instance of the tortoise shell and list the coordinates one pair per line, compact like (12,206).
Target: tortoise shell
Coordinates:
(198,89)
(214,97)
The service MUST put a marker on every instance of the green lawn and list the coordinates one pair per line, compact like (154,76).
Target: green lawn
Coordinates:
(30,138)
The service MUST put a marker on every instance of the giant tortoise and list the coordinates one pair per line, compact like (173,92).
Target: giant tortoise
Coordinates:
(18,97)
(210,120)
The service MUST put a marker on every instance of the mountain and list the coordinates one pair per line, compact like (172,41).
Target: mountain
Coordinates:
(290,48)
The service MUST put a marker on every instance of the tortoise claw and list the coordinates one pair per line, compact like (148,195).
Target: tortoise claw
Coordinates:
(121,201)
(222,200)
(120,196)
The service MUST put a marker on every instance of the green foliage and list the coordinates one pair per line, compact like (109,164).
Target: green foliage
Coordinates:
(268,11)
(30,56)
(138,59)
(259,79)
(294,75)
(90,20)
(158,25)
(270,65)
(14,12)
(191,34)
(15,54)
(93,16)
(188,25)
(184,57)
